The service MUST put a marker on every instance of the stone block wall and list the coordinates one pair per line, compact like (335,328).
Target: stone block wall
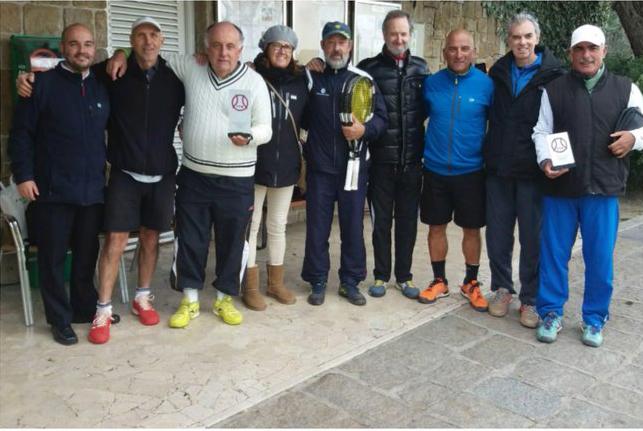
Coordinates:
(439,18)
(41,18)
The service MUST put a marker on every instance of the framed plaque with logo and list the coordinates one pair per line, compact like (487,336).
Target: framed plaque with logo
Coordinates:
(239,113)
(560,150)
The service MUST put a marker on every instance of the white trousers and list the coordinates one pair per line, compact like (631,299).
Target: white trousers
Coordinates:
(276,219)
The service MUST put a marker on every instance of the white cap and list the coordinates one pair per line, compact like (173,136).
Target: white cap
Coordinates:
(146,20)
(588,33)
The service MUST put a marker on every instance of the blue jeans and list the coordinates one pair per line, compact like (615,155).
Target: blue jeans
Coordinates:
(597,217)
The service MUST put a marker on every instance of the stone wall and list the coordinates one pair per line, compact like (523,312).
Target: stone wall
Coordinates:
(41,18)
(439,18)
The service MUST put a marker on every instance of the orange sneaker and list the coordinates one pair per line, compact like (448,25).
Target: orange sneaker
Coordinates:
(471,291)
(438,288)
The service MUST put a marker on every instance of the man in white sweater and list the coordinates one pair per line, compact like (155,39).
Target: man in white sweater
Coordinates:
(216,180)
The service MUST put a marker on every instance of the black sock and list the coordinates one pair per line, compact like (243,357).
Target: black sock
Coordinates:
(438,269)
(472,273)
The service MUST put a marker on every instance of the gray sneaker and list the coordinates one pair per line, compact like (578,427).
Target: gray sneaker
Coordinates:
(499,304)
(528,316)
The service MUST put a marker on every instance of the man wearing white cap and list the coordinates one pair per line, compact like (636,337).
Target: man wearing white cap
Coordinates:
(587,104)
(146,105)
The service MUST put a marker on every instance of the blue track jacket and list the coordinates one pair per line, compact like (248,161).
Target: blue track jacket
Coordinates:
(457,106)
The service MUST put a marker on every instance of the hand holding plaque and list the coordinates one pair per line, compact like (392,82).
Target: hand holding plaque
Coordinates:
(560,151)
(239,113)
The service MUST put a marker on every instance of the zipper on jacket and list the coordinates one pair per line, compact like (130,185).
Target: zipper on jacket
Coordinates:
(451,126)
(400,81)
(591,146)
(147,134)
(278,114)
(335,101)
(86,111)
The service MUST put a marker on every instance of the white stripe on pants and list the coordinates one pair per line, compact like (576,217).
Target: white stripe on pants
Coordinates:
(276,219)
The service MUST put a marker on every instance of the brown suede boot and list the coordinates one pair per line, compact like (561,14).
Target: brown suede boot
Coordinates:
(276,287)
(251,295)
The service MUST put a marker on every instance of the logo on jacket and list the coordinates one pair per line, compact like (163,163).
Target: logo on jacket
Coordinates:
(99,105)
(239,102)
(322,92)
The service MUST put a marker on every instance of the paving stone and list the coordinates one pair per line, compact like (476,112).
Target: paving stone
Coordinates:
(498,351)
(508,325)
(291,410)
(633,234)
(459,373)
(518,397)
(570,351)
(451,331)
(627,308)
(362,403)
(379,368)
(615,398)
(468,411)
(581,414)
(417,353)
(421,394)
(629,377)
(621,342)
(426,420)
(551,376)
(625,324)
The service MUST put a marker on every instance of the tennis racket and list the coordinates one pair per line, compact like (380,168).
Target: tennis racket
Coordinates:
(356,101)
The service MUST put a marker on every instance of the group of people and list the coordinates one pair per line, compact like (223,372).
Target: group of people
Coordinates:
(482,161)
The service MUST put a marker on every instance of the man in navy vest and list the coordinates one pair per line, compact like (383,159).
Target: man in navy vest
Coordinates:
(57,151)
(586,104)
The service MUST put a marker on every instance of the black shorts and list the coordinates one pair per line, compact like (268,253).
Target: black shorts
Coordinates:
(460,196)
(130,204)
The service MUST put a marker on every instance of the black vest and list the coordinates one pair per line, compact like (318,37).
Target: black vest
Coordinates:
(403,141)
(589,119)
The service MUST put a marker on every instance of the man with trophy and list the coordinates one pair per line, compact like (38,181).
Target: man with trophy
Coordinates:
(336,163)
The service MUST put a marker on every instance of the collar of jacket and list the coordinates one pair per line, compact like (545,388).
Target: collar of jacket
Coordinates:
(549,64)
(466,75)
(331,71)
(72,76)
(133,65)
(389,58)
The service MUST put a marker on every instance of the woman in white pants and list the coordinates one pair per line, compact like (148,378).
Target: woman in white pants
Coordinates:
(278,162)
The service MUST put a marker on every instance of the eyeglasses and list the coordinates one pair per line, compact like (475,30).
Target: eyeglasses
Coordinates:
(279,47)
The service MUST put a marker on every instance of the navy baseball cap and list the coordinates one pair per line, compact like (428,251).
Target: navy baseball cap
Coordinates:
(336,27)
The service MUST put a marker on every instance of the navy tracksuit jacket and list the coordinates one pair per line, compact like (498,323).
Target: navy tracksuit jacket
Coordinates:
(326,153)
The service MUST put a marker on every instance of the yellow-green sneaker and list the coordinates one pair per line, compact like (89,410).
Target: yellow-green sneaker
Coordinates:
(224,308)
(186,312)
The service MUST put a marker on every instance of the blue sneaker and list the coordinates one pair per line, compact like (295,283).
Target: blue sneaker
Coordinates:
(378,289)
(317,293)
(549,328)
(352,293)
(408,289)
(592,335)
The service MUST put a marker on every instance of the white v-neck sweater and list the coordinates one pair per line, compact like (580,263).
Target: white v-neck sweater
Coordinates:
(208,102)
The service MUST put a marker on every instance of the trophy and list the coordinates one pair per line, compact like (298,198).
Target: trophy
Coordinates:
(560,151)
(239,113)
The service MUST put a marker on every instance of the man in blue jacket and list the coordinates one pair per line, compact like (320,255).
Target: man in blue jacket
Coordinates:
(326,152)
(57,151)
(457,99)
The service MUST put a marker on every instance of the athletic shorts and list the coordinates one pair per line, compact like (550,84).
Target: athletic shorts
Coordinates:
(457,197)
(130,204)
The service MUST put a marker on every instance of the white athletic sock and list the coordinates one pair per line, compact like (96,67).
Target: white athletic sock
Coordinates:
(142,291)
(192,295)
(220,295)
(104,308)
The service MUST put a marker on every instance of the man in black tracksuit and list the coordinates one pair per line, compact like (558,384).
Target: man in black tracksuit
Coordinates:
(326,152)
(57,151)
(395,174)
(513,175)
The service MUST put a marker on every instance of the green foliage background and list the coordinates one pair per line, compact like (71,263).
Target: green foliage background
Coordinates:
(557,20)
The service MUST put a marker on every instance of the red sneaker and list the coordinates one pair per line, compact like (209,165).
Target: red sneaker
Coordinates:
(99,332)
(142,307)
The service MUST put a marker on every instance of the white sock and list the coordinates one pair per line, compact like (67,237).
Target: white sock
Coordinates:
(192,295)
(142,291)
(104,308)
(220,295)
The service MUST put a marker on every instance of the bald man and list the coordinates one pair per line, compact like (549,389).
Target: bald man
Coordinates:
(57,151)
(457,100)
